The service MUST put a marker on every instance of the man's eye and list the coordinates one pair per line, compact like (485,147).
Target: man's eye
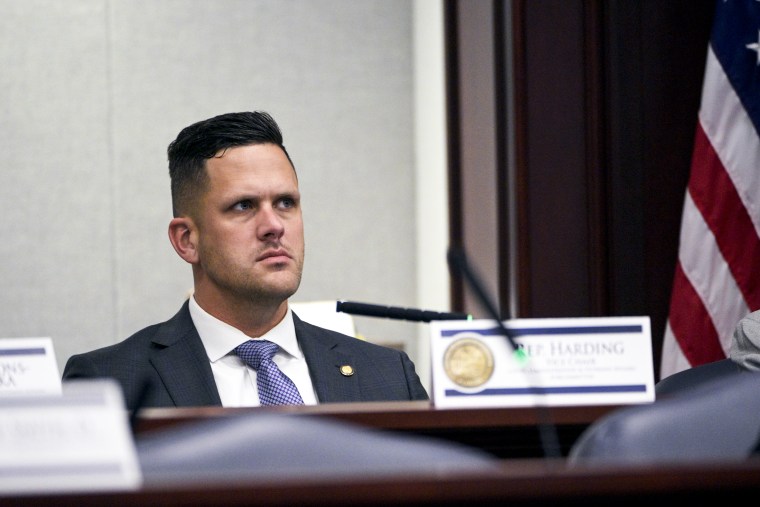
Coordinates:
(287,202)
(243,206)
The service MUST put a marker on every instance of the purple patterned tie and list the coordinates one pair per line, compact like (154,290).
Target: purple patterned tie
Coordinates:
(275,388)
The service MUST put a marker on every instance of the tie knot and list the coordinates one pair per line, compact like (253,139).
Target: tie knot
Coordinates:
(254,352)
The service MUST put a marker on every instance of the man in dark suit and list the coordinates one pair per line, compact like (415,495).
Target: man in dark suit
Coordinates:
(238,223)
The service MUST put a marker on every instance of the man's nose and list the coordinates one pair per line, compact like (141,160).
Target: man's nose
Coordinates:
(270,223)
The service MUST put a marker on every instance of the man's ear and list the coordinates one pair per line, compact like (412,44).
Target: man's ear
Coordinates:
(184,238)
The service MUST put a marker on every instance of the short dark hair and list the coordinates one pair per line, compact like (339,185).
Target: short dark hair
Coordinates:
(205,139)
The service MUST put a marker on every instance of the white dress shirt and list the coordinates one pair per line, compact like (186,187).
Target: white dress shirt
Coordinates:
(235,380)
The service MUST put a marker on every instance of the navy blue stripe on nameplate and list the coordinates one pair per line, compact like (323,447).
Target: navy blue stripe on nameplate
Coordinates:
(511,391)
(634,328)
(23,352)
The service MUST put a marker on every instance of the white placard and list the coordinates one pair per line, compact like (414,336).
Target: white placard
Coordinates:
(566,361)
(28,367)
(78,441)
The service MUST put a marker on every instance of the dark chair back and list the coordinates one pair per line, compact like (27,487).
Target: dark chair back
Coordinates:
(698,375)
(258,445)
(717,420)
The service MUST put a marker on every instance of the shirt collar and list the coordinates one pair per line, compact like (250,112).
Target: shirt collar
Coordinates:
(220,338)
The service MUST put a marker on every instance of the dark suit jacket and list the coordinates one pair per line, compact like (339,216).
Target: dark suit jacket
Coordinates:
(165,365)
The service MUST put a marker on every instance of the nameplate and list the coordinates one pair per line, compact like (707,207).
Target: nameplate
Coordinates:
(28,367)
(566,361)
(78,441)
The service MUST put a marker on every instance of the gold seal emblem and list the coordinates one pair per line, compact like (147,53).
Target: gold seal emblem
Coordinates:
(468,362)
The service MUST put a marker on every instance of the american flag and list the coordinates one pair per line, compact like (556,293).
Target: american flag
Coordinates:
(717,277)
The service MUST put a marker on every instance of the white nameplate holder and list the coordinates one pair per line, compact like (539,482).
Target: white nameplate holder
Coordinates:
(28,367)
(564,361)
(78,441)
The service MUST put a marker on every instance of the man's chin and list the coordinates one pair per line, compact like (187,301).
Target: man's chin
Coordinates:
(282,286)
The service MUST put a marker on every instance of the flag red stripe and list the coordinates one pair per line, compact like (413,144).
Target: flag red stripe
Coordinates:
(691,323)
(716,198)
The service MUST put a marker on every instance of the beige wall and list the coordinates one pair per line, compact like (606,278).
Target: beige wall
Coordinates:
(91,93)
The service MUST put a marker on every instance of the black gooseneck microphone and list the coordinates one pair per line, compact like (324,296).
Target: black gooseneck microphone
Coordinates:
(396,312)
(548,432)
(458,262)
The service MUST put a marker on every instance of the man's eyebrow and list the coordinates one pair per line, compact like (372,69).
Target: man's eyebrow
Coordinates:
(295,194)
(244,197)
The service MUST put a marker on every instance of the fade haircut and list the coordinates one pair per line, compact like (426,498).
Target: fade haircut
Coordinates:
(205,139)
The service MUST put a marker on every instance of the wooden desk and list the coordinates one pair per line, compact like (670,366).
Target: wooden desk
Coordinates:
(504,432)
(529,483)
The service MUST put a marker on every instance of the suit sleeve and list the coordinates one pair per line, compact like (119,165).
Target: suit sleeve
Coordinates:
(78,366)
(416,389)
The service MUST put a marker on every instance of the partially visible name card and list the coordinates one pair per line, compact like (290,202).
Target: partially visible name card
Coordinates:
(78,441)
(566,361)
(28,366)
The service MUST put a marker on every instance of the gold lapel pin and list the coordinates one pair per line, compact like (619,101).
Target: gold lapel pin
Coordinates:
(346,370)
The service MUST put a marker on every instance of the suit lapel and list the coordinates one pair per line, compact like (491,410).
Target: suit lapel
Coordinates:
(182,363)
(325,364)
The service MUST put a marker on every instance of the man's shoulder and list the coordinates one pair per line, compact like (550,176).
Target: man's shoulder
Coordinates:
(134,344)
(331,338)
(141,340)
(304,328)
(751,319)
